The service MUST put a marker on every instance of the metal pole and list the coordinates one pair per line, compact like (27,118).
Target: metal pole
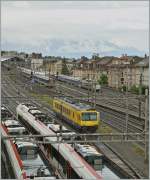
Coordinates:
(88,88)
(95,93)
(49,76)
(140,92)
(146,125)
(127,104)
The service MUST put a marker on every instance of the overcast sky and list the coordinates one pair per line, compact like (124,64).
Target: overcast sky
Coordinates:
(42,23)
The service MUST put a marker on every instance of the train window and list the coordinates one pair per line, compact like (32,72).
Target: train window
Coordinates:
(89,116)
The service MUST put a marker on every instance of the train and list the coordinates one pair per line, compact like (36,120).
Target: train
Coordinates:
(5,113)
(91,155)
(17,170)
(35,164)
(85,84)
(31,159)
(58,129)
(64,158)
(41,78)
(38,77)
(81,116)
(14,127)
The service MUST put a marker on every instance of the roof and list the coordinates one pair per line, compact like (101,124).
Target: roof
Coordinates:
(143,63)
(12,122)
(87,150)
(24,144)
(6,58)
(105,60)
(75,104)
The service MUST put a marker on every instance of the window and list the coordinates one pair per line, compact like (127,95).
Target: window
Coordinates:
(89,116)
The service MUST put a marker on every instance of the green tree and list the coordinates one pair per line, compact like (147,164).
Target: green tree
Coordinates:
(65,69)
(103,79)
(134,89)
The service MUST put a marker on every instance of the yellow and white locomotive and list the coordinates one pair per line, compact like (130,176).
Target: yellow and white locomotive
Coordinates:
(79,115)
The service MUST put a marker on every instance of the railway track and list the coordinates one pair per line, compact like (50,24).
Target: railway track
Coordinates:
(116,99)
(111,117)
(13,91)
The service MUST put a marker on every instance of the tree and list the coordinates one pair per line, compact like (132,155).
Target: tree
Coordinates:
(64,70)
(103,79)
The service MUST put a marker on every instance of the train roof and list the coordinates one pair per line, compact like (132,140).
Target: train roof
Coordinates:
(3,108)
(35,111)
(56,128)
(87,150)
(69,77)
(22,143)
(29,105)
(75,104)
(11,122)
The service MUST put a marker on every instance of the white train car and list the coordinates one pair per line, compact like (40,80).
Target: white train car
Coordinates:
(14,127)
(56,128)
(91,155)
(5,113)
(14,157)
(33,161)
(65,159)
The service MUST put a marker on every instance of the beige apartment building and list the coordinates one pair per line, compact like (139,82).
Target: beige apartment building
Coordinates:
(123,71)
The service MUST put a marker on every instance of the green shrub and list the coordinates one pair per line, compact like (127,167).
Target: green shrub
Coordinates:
(134,89)
(103,79)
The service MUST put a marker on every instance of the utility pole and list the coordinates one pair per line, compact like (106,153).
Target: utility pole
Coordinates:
(94,91)
(146,125)
(140,92)
(127,103)
(45,69)
(88,88)
(49,76)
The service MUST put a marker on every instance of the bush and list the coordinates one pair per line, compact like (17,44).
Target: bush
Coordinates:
(103,79)
(123,88)
(134,89)
(144,88)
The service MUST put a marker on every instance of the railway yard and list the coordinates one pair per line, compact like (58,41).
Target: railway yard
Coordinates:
(121,159)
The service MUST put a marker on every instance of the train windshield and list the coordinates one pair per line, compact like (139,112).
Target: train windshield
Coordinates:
(92,116)
(95,161)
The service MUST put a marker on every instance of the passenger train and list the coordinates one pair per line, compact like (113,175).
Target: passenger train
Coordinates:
(81,116)
(91,155)
(67,162)
(5,113)
(14,158)
(58,129)
(40,77)
(85,84)
(31,159)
